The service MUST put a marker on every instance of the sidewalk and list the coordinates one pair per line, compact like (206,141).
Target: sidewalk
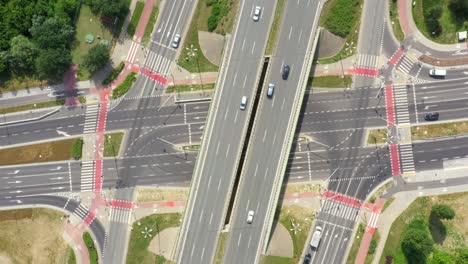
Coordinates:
(337,68)
(410,30)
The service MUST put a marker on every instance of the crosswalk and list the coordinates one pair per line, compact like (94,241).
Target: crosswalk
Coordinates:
(157,63)
(81,212)
(341,210)
(120,215)
(370,61)
(91,118)
(407,158)
(405,65)
(401,104)
(87,176)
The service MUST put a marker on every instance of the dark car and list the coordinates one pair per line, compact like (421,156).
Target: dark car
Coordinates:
(307,259)
(285,71)
(431,116)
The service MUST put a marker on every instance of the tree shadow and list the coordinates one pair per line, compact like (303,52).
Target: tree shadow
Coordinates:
(437,228)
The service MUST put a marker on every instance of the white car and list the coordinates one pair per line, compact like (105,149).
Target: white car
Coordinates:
(256,15)
(250,217)
(175,41)
(243,103)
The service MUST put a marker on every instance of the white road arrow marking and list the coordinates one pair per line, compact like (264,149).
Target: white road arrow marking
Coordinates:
(62,133)
(15,182)
(15,172)
(58,168)
(58,188)
(57,178)
(17,191)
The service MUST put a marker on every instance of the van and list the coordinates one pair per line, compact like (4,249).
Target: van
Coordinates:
(315,241)
(243,103)
(437,72)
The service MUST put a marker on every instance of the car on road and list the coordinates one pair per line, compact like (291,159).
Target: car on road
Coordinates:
(307,259)
(250,216)
(434,116)
(243,103)
(436,72)
(315,241)
(175,41)
(285,71)
(271,90)
(256,14)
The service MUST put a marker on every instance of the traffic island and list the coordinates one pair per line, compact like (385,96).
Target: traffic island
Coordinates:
(439,130)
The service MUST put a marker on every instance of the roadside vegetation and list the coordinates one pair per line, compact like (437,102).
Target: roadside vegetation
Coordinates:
(143,231)
(151,23)
(395,20)
(342,18)
(113,75)
(431,230)
(332,81)
(33,235)
(123,88)
(356,244)
(221,248)
(153,194)
(19,108)
(43,152)
(222,14)
(439,130)
(190,88)
(135,18)
(77,148)
(440,20)
(93,255)
(112,144)
(377,136)
(275,26)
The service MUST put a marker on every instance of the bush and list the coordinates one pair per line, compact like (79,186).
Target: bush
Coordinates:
(372,247)
(123,88)
(431,18)
(77,148)
(114,73)
(462,255)
(459,7)
(97,58)
(210,2)
(341,17)
(135,18)
(440,257)
(219,10)
(416,245)
(443,211)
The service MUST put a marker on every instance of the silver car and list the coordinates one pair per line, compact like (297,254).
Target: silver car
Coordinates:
(175,41)
(256,15)
(243,103)
(271,89)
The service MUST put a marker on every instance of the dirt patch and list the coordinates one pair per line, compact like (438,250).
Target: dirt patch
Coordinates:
(44,152)
(37,239)
(163,243)
(162,194)
(443,62)
(302,188)
(329,44)
(439,130)
(211,45)
(281,243)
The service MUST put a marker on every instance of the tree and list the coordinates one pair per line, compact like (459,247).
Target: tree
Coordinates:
(97,58)
(440,257)
(443,211)
(51,64)
(459,7)
(432,18)
(3,61)
(53,32)
(416,245)
(110,8)
(22,54)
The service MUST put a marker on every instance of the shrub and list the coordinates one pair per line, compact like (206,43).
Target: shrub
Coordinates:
(123,88)
(77,148)
(440,257)
(372,246)
(219,10)
(211,2)
(114,73)
(443,211)
(462,255)
(341,17)
(416,245)
(135,18)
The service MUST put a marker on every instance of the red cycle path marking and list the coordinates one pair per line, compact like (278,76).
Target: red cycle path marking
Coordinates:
(154,76)
(342,198)
(395,159)
(396,56)
(390,105)
(370,72)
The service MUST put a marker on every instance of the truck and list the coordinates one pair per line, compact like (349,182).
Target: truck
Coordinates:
(437,72)
(315,241)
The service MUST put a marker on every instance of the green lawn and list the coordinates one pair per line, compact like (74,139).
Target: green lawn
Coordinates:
(273,36)
(93,255)
(328,13)
(138,246)
(456,231)
(151,24)
(450,23)
(356,243)
(124,86)
(198,63)
(333,81)
(377,136)
(19,108)
(87,23)
(190,88)
(276,260)
(220,248)
(395,21)
(439,130)
(135,18)
(71,257)
(112,144)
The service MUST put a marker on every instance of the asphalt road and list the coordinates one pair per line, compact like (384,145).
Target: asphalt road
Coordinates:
(205,214)
(269,136)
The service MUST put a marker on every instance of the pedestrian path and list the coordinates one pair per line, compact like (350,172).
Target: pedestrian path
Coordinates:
(407,158)
(87,176)
(90,119)
(366,60)
(401,104)
(120,215)
(157,63)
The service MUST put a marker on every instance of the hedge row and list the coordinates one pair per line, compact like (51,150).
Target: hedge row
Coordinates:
(77,148)
(114,73)
(123,88)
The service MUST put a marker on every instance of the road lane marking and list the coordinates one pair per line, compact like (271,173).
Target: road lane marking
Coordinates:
(282,106)
(245,80)
(226,114)
(203,253)
(239,240)
(243,43)
(201,215)
(300,35)
(266,172)
(253,47)
(234,80)
(219,183)
(255,173)
(217,148)
(209,181)
(227,151)
(235,118)
(264,136)
(274,138)
(250,239)
(211,218)
(290,31)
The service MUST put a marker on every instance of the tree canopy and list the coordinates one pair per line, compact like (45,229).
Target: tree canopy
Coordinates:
(443,211)
(51,64)
(97,58)
(417,245)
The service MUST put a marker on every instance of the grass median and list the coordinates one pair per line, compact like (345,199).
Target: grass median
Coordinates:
(19,108)
(221,248)
(395,20)
(190,88)
(93,255)
(439,130)
(151,23)
(135,18)
(275,27)
(333,81)
(112,144)
(377,136)
(124,87)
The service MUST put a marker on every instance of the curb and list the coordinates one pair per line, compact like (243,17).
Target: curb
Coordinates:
(30,119)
